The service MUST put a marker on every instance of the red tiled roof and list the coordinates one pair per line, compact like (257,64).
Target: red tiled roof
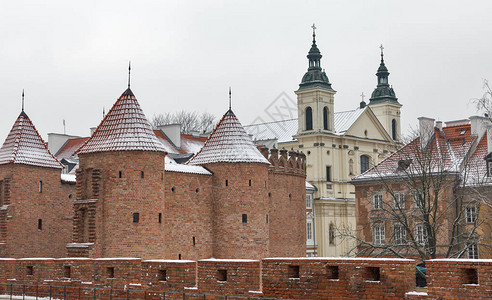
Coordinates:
(24,145)
(68,150)
(124,128)
(229,142)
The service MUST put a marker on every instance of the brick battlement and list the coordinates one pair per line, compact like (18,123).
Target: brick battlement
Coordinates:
(292,278)
(289,161)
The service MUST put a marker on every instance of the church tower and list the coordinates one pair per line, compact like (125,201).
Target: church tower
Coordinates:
(384,103)
(315,97)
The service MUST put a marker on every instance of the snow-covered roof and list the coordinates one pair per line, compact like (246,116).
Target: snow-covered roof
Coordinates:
(310,186)
(69,178)
(24,145)
(285,129)
(124,128)
(172,166)
(229,142)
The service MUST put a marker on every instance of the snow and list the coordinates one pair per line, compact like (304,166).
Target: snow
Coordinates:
(81,245)
(340,258)
(26,297)
(469,260)
(255,292)
(229,260)
(118,258)
(168,261)
(175,167)
(68,178)
(4,207)
(416,293)
(191,288)
(309,186)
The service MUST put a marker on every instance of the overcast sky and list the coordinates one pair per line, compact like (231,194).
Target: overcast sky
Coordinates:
(72,57)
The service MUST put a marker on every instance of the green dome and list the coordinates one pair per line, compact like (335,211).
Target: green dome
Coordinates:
(315,77)
(383,92)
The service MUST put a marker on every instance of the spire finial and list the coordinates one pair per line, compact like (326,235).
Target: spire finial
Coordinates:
(129,72)
(314,31)
(362,96)
(230,98)
(382,48)
(22,99)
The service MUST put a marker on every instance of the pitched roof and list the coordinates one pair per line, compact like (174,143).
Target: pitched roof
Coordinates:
(229,142)
(124,128)
(24,145)
(285,129)
(69,148)
(189,143)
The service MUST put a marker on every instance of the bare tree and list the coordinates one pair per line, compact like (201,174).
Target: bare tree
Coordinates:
(424,202)
(189,121)
(484,103)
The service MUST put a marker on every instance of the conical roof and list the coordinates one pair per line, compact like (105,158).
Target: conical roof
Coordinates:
(124,128)
(229,142)
(24,145)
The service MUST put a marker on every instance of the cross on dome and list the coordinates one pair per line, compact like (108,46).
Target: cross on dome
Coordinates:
(382,48)
(314,30)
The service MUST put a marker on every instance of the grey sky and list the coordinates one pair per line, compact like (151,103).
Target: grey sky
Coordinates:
(72,57)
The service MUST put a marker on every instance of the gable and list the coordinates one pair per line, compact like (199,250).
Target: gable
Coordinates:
(368,121)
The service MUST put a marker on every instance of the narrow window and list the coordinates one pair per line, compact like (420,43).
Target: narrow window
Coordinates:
(40,224)
(245,218)
(179,256)
(328,173)
(141,174)
(393,129)
(372,274)
(221,275)
(332,272)
(325,118)
(309,203)
(40,186)
(194,241)
(290,197)
(331,234)
(471,213)
(162,275)
(472,249)
(400,200)
(267,219)
(309,118)
(250,182)
(30,270)
(1,193)
(160,218)
(378,234)
(293,272)
(309,230)
(377,201)
(173,189)
(136,217)
(364,163)
(226,183)
(66,271)
(110,272)
(120,174)
(399,235)
(420,234)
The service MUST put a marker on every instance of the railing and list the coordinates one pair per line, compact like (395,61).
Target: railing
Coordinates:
(54,292)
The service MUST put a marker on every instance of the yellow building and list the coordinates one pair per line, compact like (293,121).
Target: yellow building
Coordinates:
(338,146)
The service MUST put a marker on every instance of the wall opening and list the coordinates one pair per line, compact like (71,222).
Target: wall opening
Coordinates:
(40,224)
(293,272)
(110,272)
(67,271)
(221,275)
(372,274)
(30,270)
(325,118)
(120,174)
(84,225)
(197,190)
(194,241)
(470,276)
(162,275)
(173,189)
(267,219)
(328,173)
(179,256)
(309,118)
(393,129)
(332,272)
(250,182)
(364,163)
(141,174)
(136,217)
(245,218)
(160,218)
(40,187)
(227,182)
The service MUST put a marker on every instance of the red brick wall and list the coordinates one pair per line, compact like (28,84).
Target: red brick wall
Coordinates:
(26,205)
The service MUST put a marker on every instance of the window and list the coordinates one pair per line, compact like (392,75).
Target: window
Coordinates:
(393,129)
(293,272)
(221,275)
(325,118)
(245,218)
(309,201)
(141,174)
(399,235)
(162,275)
(120,174)
(489,169)
(1,193)
(364,163)
(328,173)
(332,272)
(309,230)
(30,270)
(400,200)
(471,213)
(250,182)
(40,186)
(351,167)
(331,234)
(40,224)
(309,118)
(194,241)
(66,271)
(110,272)
(419,198)
(227,182)
(420,234)
(267,219)
(136,217)
(378,234)
(472,250)
(377,201)
(160,218)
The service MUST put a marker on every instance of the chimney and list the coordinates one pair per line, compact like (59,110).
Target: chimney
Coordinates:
(173,132)
(92,130)
(489,138)
(439,125)
(426,130)
(479,125)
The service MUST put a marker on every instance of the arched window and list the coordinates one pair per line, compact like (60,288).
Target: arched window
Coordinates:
(331,234)
(309,118)
(325,118)
(393,129)
(364,163)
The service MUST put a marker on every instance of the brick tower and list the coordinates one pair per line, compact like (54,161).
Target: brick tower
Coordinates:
(35,206)
(120,187)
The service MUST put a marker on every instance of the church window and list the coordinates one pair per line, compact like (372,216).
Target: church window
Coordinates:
(267,219)
(40,224)
(309,118)
(245,218)
(136,217)
(179,256)
(351,167)
(325,118)
(393,129)
(331,234)
(364,163)
(328,173)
